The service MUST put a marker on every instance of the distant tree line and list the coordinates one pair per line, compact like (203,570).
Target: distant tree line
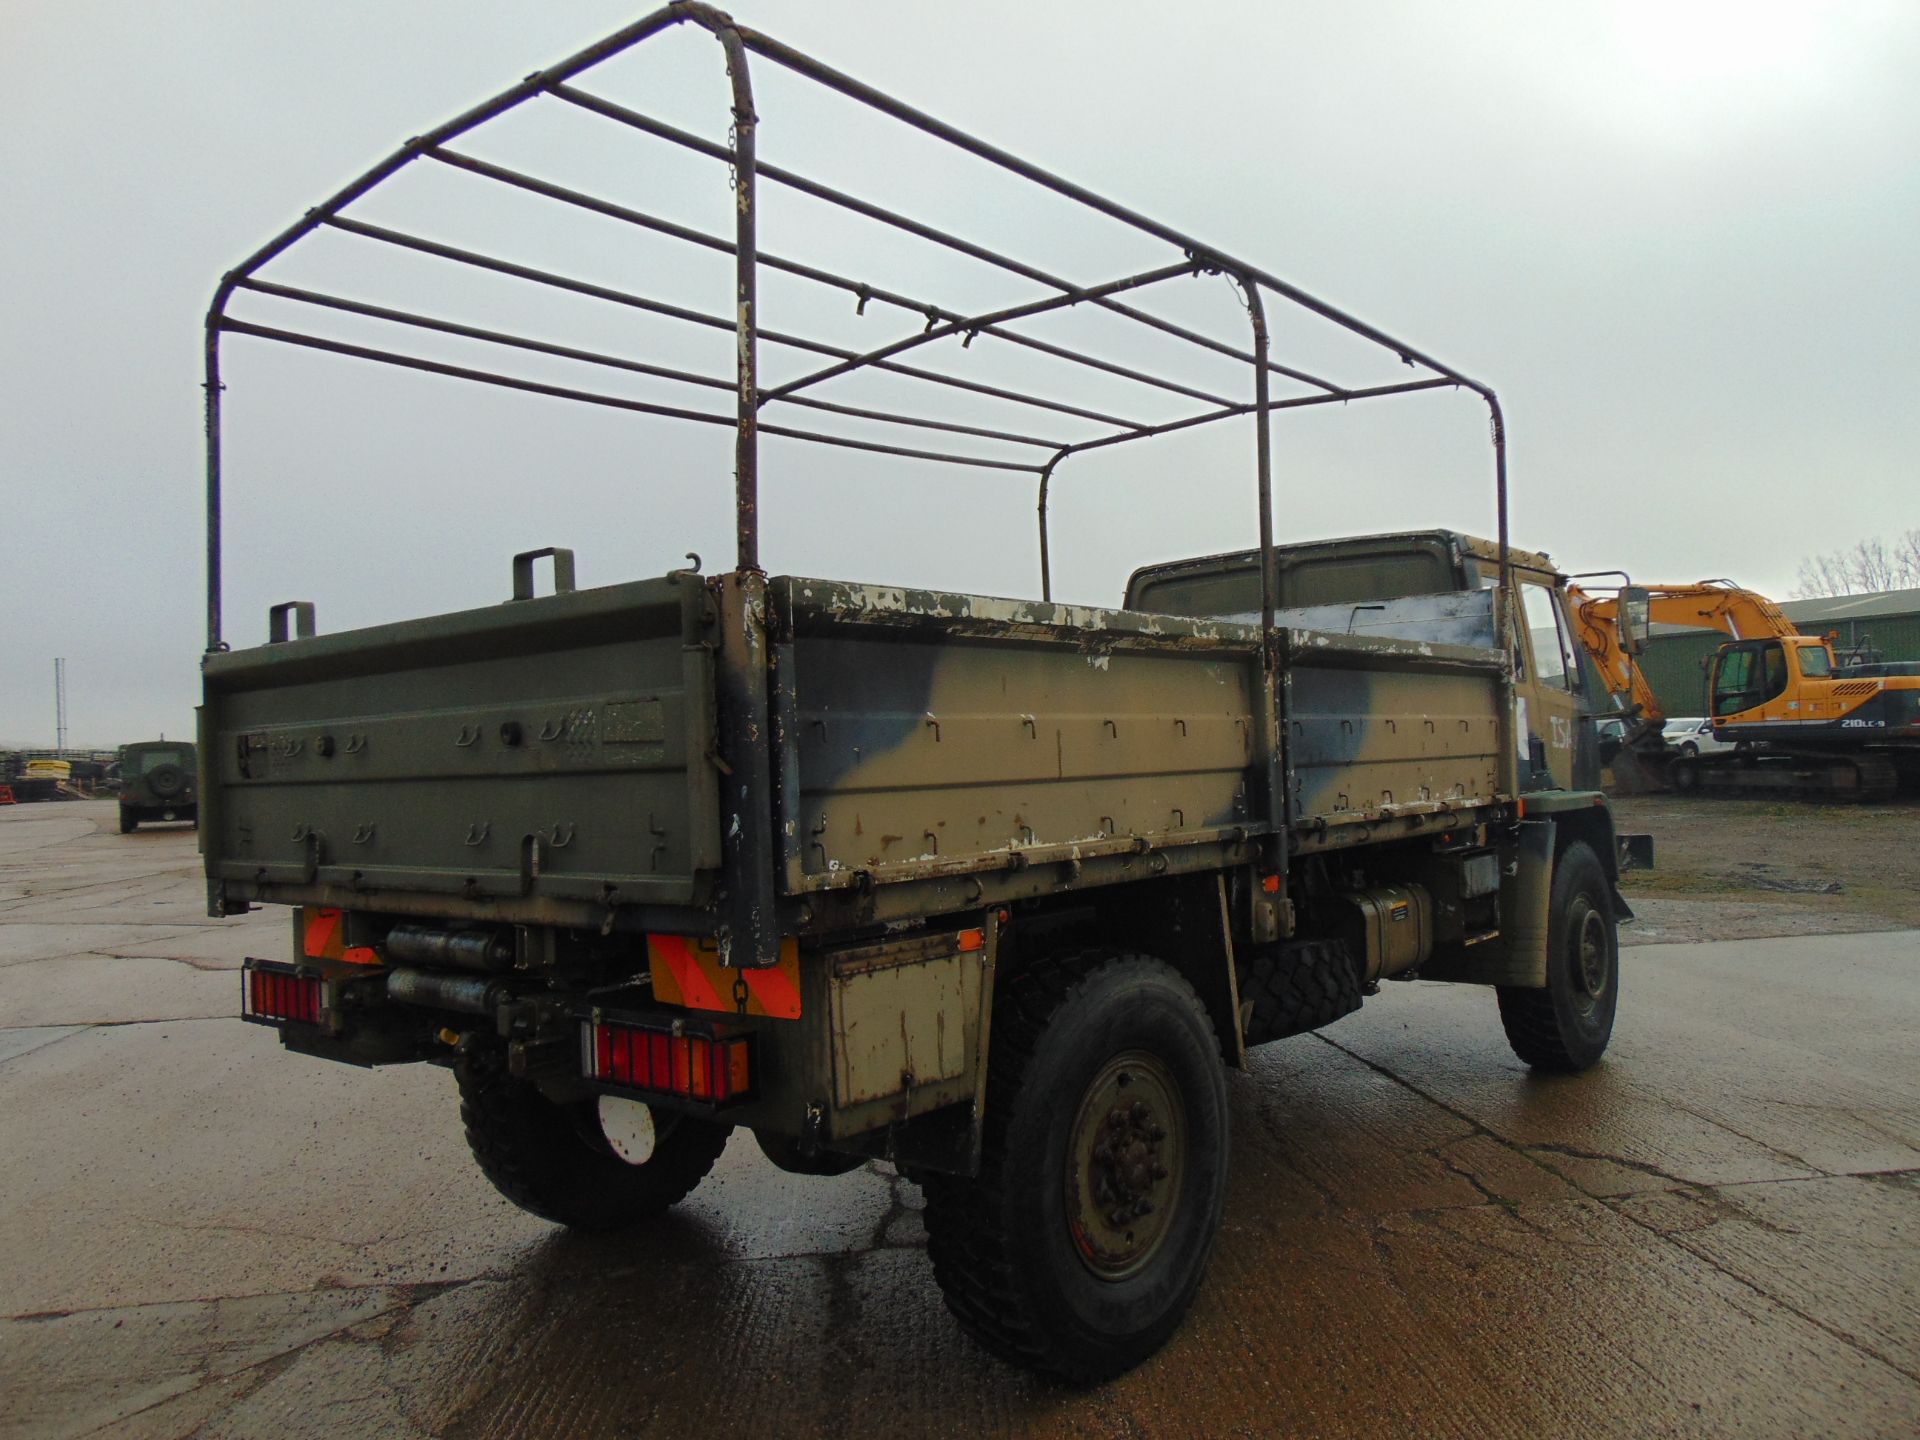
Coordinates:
(1870,565)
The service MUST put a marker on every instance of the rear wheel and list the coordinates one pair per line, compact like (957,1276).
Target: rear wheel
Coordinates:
(127,822)
(571,1165)
(1080,1245)
(1689,749)
(1566,1025)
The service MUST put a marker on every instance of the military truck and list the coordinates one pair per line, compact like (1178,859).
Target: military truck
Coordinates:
(995,889)
(159,780)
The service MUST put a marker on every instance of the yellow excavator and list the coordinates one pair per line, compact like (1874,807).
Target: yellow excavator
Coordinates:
(1801,723)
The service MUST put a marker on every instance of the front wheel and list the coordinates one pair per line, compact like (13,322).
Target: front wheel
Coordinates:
(591,1165)
(1080,1245)
(1689,749)
(1566,1025)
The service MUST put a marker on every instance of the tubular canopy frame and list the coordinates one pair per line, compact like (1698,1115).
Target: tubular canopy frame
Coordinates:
(1025,445)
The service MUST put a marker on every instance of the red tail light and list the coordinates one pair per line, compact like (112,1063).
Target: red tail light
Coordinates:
(277,995)
(633,1055)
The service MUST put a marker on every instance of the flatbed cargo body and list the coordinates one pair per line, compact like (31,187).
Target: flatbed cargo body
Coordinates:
(555,760)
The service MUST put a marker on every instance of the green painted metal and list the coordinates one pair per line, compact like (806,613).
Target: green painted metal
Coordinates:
(554,760)
(1675,666)
(545,759)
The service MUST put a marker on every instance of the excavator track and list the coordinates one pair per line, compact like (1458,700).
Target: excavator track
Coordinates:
(1802,775)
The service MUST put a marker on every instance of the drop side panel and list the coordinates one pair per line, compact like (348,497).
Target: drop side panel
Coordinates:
(929,733)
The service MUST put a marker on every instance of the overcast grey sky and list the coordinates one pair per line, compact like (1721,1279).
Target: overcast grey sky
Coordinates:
(1678,237)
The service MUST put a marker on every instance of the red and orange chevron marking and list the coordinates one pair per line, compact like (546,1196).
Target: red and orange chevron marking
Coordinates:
(688,972)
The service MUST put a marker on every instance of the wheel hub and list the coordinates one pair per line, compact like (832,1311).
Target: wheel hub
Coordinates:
(1590,955)
(1128,1150)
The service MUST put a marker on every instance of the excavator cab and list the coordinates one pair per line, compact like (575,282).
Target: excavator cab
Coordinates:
(1747,674)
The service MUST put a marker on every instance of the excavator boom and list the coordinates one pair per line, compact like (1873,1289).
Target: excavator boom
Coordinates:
(1705,605)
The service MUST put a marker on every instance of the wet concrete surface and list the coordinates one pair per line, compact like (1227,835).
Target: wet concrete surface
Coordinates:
(1714,1233)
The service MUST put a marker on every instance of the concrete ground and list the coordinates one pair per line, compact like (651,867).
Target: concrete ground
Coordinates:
(1713,1233)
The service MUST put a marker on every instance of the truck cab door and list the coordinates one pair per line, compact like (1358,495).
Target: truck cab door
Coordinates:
(1547,686)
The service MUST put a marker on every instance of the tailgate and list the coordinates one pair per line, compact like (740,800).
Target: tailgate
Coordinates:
(544,750)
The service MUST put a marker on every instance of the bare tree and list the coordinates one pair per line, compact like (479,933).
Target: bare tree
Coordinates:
(1906,554)
(1869,566)
(1821,575)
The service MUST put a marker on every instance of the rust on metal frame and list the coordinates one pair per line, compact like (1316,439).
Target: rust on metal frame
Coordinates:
(740,43)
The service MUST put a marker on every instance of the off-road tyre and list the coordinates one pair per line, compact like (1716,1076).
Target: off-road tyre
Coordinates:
(166,781)
(552,1160)
(1013,1270)
(1566,1025)
(1297,987)
(129,822)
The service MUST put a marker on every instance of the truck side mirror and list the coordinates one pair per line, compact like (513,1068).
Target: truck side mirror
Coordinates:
(1634,620)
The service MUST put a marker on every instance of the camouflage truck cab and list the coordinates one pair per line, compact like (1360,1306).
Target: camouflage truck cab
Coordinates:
(1367,585)
(995,888)
(159,780)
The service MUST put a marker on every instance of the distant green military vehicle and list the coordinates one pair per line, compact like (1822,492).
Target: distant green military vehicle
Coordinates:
(159,780)
(995,889)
